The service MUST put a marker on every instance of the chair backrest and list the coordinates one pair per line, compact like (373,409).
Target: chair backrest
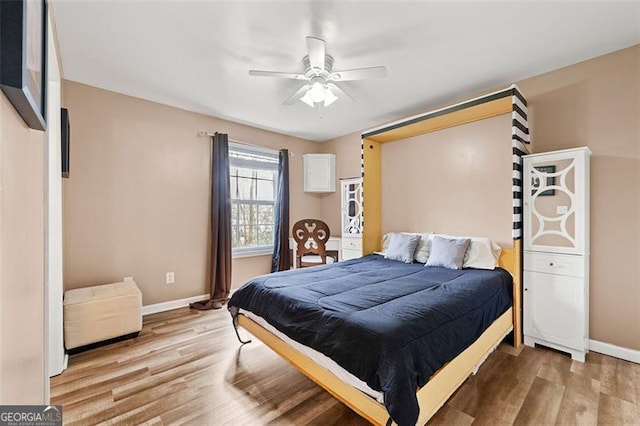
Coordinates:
(311,236)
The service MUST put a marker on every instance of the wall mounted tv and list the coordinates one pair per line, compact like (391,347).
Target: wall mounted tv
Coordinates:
(65,135)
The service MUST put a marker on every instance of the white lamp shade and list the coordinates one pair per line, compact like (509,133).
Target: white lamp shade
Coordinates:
(307,99)
(316,92)
(319,94)
(329,97)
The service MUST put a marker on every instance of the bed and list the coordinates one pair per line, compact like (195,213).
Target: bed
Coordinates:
(391,340)
(433,385)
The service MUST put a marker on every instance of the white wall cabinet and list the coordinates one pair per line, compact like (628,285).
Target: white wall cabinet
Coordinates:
(556,250)
(351,207)
(319,172)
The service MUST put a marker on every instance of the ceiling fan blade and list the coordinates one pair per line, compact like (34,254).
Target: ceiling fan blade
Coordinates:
(297,95)
(339,91)
(359,74)
(289,75)
(316,51)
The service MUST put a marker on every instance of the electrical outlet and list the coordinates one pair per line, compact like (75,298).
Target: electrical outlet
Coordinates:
(562,209)
(170,278)
(127,279)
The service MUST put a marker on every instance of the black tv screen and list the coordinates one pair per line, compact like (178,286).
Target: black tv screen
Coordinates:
(65,136)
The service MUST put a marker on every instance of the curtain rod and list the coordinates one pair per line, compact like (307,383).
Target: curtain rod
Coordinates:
(203,133)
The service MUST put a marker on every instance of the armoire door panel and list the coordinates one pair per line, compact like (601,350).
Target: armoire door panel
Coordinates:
(554,308)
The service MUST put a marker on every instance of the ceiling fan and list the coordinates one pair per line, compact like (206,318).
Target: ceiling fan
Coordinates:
(321,89)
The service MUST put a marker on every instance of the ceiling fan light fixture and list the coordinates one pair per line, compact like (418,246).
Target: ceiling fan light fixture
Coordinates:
(329,97)
(307,98)
(321,89)
(317,92)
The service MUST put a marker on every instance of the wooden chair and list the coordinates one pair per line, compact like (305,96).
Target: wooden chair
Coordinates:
(311,236)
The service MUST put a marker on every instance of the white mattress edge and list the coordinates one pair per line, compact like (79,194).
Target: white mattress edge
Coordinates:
(319,358)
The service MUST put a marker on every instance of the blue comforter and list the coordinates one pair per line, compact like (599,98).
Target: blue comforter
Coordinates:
(390,324)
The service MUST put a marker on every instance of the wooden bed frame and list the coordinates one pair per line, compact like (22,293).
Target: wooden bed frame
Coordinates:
(449,378)
(431,397)
(506,101)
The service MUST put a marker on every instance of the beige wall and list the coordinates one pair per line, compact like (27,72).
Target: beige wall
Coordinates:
(137,199)
(596,104)
(456,181)
(347,150)
(22,300)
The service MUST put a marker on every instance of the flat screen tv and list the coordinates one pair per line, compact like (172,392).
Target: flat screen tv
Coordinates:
(65,136)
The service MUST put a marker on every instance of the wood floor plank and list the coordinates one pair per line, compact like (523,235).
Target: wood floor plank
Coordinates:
(579,405)
(221,407)
(471,397)
(156,421)
(208,401)
(135,347)
(339,415)
(556,367)
(100,374)
(273,398)
(64,397)
(80,373)
(542,404)
(187,367)
(89,406)
(134,402)
(161,317)
(528,363)
(146,412)
(497,412)
(495,392)
(449,416)
(591,369)
(124,390)
(307,411)
(620,379)
(616,411)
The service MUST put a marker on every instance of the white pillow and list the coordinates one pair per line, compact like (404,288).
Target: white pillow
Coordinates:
(482,253)
(422,251)
(424,248)
(402,247)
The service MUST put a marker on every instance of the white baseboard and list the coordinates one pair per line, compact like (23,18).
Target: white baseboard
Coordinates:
(615,351)
(172,304)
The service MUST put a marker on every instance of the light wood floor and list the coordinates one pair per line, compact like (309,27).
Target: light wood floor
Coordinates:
(186,367)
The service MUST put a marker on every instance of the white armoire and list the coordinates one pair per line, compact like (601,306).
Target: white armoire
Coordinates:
(351,207)
(556,250)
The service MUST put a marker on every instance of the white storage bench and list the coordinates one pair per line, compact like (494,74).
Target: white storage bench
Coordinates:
(99,313)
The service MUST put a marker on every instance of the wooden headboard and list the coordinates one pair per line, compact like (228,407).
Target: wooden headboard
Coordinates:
(507,260)
(506,101)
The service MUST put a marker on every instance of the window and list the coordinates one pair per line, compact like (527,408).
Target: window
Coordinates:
(253,176)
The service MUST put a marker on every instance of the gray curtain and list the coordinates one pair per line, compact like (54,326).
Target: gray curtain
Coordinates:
(281,260)
(220,258)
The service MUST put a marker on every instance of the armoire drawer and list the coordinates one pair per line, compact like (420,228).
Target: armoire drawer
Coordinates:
(552,263)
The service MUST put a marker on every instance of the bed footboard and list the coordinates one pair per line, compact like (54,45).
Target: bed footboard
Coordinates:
(430,397)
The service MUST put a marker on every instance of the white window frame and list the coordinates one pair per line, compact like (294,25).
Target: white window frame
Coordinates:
(240,252)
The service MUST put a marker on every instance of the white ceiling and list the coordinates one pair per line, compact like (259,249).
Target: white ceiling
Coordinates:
(196,54)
